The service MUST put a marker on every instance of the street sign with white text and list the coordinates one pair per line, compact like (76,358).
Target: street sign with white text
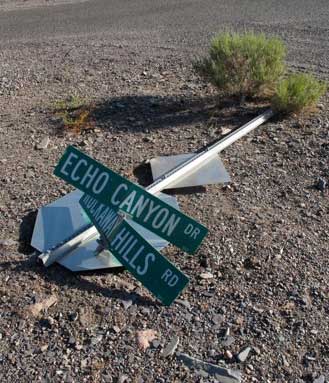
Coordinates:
(120,194)
(147,265)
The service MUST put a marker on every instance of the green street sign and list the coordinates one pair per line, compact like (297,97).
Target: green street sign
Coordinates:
(146,264)
(120,194)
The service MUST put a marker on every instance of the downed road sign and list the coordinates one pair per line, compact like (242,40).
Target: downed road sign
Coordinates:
(147,265)
(120,194)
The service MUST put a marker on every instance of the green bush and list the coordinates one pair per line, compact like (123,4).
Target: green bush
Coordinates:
(244,64)
(296,92)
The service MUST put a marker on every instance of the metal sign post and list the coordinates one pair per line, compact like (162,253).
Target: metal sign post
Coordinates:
(153,215)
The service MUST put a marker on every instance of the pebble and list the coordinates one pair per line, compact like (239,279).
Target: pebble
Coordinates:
(155,343)
(96,339)
(123,378)
(321,184)
(228,341)
(206,276)
(84,363)
(44,348)
(243,355)
(43,144)
(171,347)
(225,131)
(320,379)
(7,242)
(73,316)
(116,329)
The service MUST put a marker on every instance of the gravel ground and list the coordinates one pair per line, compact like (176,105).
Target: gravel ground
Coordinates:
(259,280)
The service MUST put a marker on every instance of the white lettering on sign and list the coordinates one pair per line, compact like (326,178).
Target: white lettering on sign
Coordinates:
(139,206)
(81,162)
(92,177)
(89,176)
(160,218)
(127,245)
(150,211)
(105,217)
(170,225)
(101,182)
(115,201)
(170,278)
(68,162)
(157,217)
(192,231)
(128,202)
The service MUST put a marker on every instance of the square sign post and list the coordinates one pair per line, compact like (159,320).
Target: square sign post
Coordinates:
(108,199)
(120,194)
(144,262)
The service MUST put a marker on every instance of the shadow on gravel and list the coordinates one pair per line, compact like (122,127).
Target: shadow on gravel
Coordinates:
(65,279)
(140,113)
(143,113)
(25,233)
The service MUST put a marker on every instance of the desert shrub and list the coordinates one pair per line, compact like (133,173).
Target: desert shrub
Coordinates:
(74,114)
(243,64)
(298,91)
(68,104)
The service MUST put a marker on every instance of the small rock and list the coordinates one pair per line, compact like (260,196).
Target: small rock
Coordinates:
(228,354)
(225,131)
(78,346)
(84,363)
(217,319)
(285,362)
(206,276)
(257,350)
(36,308)
(320,379)
(73,316)
(44,347)
(43,144)
(321,184)
(243,355)
(155,343)
(171,347)
(123,378)
(281,338)
(228,341)
(145,337)
(204,262)
(96,339)
(116,329)
(7,242)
